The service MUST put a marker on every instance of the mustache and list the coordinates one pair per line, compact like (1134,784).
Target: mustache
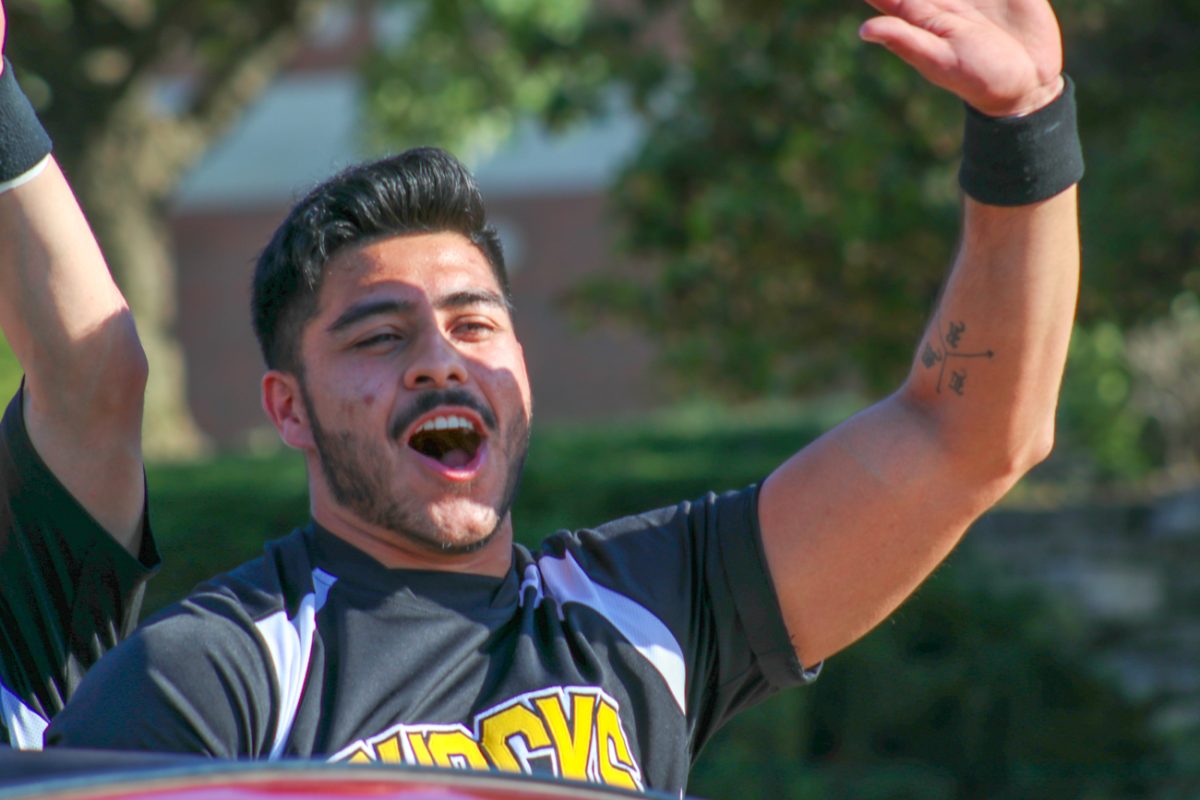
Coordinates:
(441,397)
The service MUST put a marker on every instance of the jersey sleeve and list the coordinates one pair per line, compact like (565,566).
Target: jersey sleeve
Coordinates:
(700,568)
(68,591)
(193,679)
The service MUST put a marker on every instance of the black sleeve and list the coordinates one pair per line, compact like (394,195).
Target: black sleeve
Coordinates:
(746,616)
(700,567)
(68,591)
(194,679)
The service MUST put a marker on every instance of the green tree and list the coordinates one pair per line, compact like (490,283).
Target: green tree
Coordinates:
(1137,72)
(796,201)
(790,213)
(99,73)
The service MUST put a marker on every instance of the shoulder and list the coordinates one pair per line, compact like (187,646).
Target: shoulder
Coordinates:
(199,675)
(221,631)
(686,524)
(663,559)
(277,581)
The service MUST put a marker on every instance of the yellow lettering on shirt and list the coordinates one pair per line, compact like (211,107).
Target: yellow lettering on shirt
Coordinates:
(616,764)
(575,731)
(499,730)
(455,749)
(389,750)
(416,741)
(573,744)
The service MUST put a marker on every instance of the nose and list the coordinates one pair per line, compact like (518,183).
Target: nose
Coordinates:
(437,364)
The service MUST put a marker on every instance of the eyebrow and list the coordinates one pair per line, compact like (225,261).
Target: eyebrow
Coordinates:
(472,297)
(392,306)
(370,308)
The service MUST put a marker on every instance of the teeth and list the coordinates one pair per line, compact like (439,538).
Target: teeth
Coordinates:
(446,423)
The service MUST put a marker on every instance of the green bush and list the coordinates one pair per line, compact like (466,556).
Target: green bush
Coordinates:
(962,694)
(211,516)
(1101,434)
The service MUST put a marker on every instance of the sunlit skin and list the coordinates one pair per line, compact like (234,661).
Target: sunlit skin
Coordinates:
(399,319)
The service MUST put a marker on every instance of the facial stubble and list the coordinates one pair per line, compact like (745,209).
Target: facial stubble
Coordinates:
(350,466)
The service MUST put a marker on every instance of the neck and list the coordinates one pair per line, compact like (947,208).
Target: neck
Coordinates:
(398,550)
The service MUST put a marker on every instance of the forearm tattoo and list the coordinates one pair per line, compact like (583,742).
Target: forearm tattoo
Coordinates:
(937,353)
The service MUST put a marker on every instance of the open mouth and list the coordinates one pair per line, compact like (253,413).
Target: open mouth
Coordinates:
(453,440)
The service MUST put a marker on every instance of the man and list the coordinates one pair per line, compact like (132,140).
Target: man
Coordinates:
(403,625)
(74,546)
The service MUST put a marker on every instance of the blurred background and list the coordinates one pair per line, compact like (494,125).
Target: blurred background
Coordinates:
(726,223)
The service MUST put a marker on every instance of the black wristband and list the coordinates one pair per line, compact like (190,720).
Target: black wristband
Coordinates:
(1013,161)
(23,140)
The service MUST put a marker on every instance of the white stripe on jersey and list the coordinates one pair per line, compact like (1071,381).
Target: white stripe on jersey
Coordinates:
(25,726)
(290,643)
(566,582)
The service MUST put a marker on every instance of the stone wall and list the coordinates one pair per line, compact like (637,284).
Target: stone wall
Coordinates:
(1130,573)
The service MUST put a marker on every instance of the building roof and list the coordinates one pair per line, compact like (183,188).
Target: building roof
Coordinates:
(306,126)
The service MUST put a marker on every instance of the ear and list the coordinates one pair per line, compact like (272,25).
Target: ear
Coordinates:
(285,407)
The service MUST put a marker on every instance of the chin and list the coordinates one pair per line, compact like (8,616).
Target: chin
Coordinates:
(464,530)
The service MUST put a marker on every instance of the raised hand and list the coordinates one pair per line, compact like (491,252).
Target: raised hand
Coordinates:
(1003,57)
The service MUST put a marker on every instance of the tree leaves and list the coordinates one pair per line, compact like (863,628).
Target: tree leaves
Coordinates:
(793,206)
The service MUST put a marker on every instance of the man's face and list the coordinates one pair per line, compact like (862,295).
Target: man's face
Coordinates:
(415,389)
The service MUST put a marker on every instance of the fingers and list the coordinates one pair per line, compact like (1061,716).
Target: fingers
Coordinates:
(914,11)
(929,54)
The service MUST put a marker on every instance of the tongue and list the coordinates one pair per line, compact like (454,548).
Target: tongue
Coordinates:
(456,459)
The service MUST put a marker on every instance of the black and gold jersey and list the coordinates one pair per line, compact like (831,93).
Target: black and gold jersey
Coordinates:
(609,655)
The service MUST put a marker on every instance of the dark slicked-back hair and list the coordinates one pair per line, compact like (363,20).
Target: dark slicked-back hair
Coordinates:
(424,190)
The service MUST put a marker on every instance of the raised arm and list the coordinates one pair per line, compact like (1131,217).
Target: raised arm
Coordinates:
(854,522)
(72,332)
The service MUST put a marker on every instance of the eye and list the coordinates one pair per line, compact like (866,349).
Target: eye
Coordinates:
(378,340)
(473,329)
